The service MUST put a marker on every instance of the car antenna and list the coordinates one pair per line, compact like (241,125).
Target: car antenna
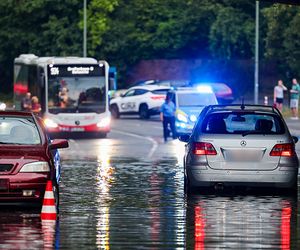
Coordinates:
(242,105)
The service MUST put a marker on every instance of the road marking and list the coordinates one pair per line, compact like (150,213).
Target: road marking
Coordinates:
(153,142)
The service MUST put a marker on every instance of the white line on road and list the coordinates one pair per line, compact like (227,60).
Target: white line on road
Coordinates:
(154,143)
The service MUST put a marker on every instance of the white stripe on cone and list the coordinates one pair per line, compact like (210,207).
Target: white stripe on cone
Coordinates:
(49,209)
(48,195)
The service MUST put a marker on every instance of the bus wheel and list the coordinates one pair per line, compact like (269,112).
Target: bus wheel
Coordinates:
(143,111)
(114,111)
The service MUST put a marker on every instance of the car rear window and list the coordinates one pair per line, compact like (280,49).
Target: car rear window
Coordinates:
(243,123)
(18,130)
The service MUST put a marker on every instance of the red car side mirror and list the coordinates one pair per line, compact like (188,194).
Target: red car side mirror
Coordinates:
(59,143)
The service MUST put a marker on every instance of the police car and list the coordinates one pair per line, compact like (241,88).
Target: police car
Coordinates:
(142,100)
(189,103)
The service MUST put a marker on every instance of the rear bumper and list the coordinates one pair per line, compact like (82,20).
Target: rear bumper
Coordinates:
(276,178)
(78,129)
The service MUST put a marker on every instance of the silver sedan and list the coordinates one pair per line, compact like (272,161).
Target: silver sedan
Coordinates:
(240,145)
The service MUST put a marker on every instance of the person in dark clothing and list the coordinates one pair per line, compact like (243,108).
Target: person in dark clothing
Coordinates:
(26,102)
(167,116)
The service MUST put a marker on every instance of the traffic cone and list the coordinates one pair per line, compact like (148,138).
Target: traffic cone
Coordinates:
(49,209)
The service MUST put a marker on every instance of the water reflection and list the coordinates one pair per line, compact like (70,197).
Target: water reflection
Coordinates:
(25,230)
(127,203)
(105,179)
(241,222)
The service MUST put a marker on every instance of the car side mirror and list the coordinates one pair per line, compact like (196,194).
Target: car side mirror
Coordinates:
(184,138)
(59,143)
(295,138)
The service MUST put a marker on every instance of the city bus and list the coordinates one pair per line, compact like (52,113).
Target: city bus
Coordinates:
(72,92)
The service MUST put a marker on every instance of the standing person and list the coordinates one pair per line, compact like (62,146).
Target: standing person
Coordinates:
(294,100)
(26,102)
(63,97)
(278,94)
(35,105)
(167,116)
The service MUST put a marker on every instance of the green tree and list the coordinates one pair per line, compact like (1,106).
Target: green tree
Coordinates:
(155,29)
(282,37)
(97,21)
(43,27)
(232,34)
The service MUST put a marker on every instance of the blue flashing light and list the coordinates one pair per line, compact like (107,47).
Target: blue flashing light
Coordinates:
(204,89)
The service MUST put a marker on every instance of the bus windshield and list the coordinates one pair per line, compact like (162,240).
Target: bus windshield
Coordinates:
(80,94)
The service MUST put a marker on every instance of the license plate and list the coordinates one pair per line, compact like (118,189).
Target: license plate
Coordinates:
(244,156)
(77,129)
(3,184)
(63,129)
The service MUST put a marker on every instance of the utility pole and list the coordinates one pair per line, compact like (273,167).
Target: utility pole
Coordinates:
(84,28)
(256,84)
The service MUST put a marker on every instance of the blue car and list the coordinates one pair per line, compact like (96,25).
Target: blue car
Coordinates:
(189,103)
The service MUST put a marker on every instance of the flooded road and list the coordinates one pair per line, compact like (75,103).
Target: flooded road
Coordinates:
(126,192)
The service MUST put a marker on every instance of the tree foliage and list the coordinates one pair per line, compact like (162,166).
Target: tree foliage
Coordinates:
(126,31)
(282,38)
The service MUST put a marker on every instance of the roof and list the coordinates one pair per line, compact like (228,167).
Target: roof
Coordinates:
(35,60)
(16,113)
(150,87)
(243,107)
(201,89)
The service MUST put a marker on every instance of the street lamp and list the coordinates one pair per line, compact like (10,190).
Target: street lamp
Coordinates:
(84,28)
(256,84)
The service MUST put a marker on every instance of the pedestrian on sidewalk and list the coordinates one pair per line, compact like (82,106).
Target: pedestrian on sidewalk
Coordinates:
(167,116)
(294,99)
(278,94)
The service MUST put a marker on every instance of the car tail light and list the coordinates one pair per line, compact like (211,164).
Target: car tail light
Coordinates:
(203,148)
(286,150)
(158,97)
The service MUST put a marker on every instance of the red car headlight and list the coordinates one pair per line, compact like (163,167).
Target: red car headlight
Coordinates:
(39,166)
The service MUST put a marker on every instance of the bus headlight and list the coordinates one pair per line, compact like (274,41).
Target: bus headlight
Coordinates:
(104,122)
(182,118)
(39,166)
(50,124)
(2,106)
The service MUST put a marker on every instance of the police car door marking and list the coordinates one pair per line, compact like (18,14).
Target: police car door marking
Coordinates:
(128,105)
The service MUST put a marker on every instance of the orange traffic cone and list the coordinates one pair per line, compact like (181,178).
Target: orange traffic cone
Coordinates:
(49,209)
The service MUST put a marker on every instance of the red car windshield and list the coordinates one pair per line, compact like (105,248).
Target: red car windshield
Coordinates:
(18,130)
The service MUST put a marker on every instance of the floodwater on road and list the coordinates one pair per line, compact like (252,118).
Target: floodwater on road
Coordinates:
(128,203)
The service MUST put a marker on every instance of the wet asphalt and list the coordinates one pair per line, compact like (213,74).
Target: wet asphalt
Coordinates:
(126,192)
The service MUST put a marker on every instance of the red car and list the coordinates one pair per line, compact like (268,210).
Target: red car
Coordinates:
(28,158)
(222,91)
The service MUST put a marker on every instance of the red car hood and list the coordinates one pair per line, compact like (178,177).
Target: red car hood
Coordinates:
(35,152)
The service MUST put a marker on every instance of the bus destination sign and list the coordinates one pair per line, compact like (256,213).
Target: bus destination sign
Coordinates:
(76,70)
